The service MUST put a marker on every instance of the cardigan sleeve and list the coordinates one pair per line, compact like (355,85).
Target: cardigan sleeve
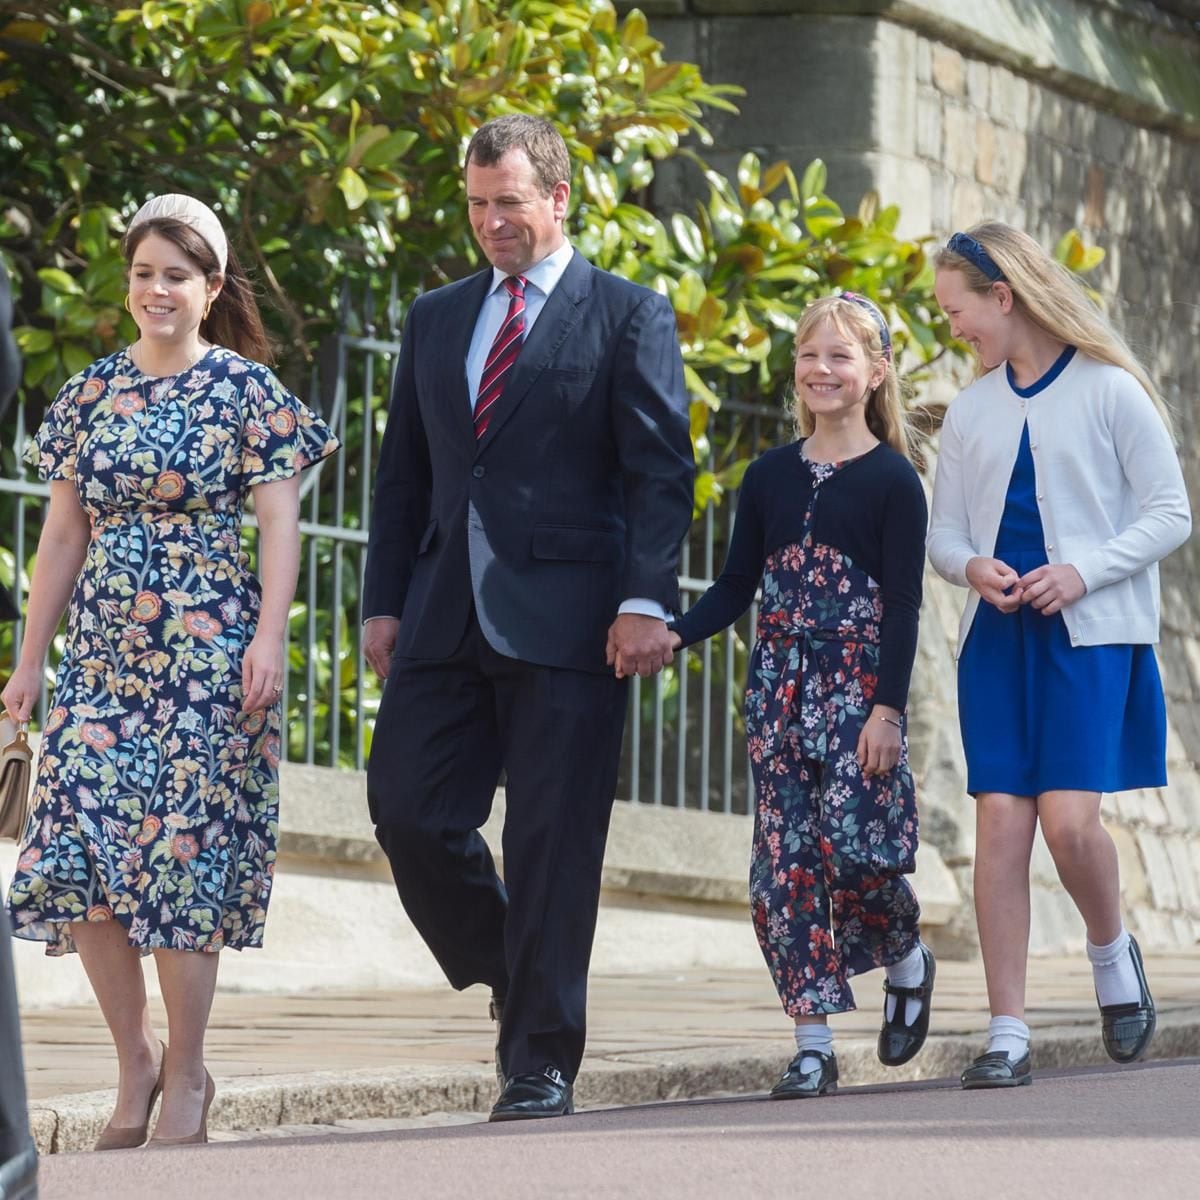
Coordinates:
(902,564)
(731,594)
(1151,466)
(949,542)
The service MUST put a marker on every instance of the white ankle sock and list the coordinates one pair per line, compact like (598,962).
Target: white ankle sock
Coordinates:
(908,972)
(1008,1033)
(813,1037)
(1113,970)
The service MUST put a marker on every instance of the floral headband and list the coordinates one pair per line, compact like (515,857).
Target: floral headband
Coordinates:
(976,254)
(885,336)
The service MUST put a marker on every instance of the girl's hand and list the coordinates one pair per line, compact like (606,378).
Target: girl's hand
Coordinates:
(879,744)
(262,673)
(21,692)
(1051,588)
(992,579)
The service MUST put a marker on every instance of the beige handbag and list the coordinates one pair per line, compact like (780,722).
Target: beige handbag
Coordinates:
(16,769)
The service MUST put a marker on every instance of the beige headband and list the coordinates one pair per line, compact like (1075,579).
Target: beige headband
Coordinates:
(175,206)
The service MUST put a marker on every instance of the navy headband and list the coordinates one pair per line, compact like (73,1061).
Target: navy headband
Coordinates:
(976,254)
(885,336)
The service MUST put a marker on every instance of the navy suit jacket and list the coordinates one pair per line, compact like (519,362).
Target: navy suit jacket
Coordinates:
(577,497)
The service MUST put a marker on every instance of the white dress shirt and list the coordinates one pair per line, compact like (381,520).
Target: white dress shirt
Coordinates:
(1109,490)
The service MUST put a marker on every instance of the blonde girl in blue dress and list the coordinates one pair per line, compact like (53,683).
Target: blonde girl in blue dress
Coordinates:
(156,800)
(1057,492)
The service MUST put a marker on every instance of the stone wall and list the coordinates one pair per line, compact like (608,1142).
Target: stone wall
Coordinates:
(1076,113)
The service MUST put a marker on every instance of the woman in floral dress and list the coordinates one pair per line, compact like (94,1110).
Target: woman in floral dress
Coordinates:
(834,527)
(156,799)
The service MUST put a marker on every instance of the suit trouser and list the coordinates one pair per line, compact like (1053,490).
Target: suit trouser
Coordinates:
(445,730)
(14,1123)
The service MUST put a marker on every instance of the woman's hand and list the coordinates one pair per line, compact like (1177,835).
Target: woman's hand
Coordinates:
(879,743)
(21,692)
(262,673)
(992,579)
(1051,588)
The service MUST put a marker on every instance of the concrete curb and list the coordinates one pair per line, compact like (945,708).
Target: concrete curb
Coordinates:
(72,1123)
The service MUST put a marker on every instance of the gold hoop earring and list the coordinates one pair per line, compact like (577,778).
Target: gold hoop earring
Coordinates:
(127,308)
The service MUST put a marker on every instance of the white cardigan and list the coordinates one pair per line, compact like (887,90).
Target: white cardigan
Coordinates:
(1109,489)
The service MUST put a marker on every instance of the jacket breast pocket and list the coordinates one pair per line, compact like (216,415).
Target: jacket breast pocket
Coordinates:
(427,538)
(576,543)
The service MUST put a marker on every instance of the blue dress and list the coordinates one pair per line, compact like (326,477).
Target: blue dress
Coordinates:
(1038,714)
(157,797)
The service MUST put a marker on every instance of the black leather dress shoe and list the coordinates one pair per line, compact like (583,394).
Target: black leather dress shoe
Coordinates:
(546,1093)
(18,1176)
(1128,1028)
(997,1070)
(898,1042)
(496,1012)
(799,1085)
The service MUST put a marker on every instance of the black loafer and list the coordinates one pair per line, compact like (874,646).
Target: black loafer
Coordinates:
(19,1176)
(799,1085)
(547,1093)
(997,1070)
(1128,1028)
(496,1012)
(898,1042)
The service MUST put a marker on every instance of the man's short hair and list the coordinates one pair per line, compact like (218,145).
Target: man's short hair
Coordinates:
(542,143)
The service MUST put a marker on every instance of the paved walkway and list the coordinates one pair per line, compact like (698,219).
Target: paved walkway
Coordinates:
(404,1055)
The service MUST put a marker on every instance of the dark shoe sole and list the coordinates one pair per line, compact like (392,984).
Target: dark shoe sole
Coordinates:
(530,1116)
(980,1085)
(827,1090)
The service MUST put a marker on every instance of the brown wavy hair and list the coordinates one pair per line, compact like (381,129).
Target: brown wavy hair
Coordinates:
(233,320)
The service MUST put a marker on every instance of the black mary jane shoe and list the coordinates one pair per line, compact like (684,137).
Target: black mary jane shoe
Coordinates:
(899,1042)
(799,1085)
(1128,1028)
(545,1093)
(19,1176)
(997,1069)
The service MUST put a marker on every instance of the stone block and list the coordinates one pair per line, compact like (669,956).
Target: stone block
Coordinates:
(1153,929)
(1042,870)
(978,83)
(1187,882)
(1055,923)
(929,126)
(985,151)
(958,140)
(1135,889)
(1159,872)
(1111,140)
(1141,807)
(968,205)
(924,60)
(1010,159)
(941,207)
(948,70)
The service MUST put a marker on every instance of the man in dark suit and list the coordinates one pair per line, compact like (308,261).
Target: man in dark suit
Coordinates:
(534,485)
(18,1159)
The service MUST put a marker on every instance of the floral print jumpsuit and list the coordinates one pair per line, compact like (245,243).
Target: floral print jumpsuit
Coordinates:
(827,893)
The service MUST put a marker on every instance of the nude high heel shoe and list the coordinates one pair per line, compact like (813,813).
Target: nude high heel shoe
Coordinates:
(129,1137)
(200,1137)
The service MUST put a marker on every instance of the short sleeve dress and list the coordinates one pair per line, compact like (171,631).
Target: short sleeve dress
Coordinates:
(156,797)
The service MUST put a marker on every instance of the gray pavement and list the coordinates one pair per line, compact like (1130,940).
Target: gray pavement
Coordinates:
(348,1062)
(1104,1133)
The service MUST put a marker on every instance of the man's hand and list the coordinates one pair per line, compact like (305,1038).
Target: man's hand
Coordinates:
(992,578)
(638,645)
(379,643)
(1051,588)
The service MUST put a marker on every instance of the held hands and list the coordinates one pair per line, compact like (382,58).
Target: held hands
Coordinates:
(878,749)
(1049,589)
(639,645)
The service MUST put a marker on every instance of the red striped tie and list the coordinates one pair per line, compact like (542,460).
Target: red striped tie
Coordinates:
(505,347)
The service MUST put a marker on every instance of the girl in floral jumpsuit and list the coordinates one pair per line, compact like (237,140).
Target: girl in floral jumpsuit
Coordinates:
(833,526)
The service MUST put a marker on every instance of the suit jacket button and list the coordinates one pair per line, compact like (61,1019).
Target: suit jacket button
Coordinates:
(479,472)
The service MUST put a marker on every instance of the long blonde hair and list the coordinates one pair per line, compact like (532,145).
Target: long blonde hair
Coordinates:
(887,418)
(1051,297)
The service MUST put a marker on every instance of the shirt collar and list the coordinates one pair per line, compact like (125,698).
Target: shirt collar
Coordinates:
(543,275)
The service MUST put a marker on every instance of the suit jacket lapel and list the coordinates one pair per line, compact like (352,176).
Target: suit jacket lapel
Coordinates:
(558,317)
(455,347)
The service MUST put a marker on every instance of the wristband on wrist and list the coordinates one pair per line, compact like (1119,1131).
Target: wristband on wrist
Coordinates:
(890,721)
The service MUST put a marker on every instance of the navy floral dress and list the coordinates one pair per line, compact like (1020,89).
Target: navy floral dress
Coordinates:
(156,798)
(827,893)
